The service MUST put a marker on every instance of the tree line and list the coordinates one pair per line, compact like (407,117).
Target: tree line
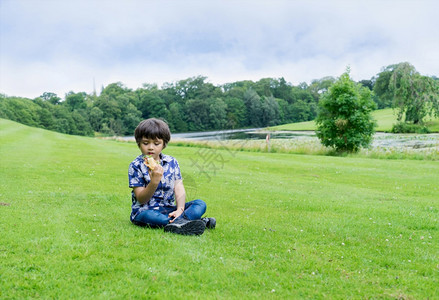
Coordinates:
(194,104)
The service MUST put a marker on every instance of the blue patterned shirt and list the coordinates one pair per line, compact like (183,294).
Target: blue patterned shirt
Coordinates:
(138,175)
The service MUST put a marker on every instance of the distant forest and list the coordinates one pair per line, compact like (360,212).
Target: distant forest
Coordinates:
(191,104)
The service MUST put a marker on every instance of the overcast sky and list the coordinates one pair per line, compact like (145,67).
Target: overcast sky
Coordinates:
(75,45)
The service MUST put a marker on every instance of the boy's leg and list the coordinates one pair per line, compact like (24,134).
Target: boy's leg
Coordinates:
(193,210)
(152,217)
(189,223)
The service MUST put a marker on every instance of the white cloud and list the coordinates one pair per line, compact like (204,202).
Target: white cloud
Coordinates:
(58,46)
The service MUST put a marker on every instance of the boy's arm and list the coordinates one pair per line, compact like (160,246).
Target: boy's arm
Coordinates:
(180,199)
(144,194)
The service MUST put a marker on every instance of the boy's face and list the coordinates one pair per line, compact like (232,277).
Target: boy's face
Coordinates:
(151,147)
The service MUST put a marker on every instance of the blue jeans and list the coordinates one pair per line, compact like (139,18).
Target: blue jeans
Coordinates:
(193,210)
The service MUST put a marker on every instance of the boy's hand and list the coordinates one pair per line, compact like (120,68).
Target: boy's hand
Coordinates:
(175,214)
(156,174)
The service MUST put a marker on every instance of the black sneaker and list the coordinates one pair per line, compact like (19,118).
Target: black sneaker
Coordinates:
(186,227)
(210,222)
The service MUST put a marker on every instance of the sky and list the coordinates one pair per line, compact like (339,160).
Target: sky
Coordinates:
(60,46)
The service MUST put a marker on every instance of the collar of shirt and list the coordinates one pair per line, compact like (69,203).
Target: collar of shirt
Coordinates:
(165,158)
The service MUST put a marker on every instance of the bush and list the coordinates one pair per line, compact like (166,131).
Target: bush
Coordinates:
(344,121)
(403,127)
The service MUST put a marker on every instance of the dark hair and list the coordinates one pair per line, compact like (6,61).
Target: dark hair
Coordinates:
(153,129)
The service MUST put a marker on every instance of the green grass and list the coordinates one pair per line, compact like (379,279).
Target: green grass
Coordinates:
(310,125)
(385,119)
(289,226)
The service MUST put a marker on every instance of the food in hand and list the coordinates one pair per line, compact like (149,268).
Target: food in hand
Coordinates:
(150,162)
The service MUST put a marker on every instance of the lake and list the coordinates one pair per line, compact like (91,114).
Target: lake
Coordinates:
(381,140)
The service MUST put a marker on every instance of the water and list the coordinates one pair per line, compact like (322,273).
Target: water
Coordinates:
(417,142)
(407,141)
(242,134)
(380,139)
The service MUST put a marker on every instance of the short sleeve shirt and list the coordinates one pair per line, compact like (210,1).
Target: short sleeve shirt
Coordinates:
(139,176)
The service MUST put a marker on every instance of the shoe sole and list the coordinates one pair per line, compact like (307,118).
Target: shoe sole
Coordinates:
(195,227)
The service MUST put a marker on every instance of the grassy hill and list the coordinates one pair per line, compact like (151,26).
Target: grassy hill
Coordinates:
(289,226)
(385,119)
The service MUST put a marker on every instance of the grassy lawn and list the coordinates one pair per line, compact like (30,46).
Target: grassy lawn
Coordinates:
(385,119)
(289,226)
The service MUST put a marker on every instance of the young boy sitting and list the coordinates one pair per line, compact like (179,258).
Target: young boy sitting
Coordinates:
(158,194)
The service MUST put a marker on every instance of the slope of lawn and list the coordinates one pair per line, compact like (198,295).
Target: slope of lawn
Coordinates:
(385,119)
(289,226)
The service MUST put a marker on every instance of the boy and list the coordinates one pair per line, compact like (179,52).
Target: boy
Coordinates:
(158,195)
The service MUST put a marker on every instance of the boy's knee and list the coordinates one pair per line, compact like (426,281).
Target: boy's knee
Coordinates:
(200,203)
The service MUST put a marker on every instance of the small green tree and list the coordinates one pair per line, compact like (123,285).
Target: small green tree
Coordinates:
(344,121)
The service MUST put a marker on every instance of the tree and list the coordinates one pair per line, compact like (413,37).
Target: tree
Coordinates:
(367,83)
(95,118)
(76,101)
(82,126)
(51,97)
(196,88)
(381,89)
(270,111)
(320,86)
(113,90)
(46,118)
(197,114)
(344,121)
(235,112)
(64,120)
(176,122)
(254,108)
(131,118)
(303,106)
(264,86)
(282,90)
(20,110)
(283,109)
(217,114)
(414,96)
(301,111)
